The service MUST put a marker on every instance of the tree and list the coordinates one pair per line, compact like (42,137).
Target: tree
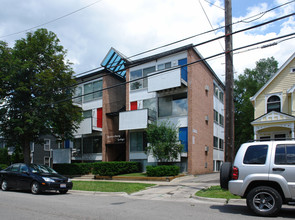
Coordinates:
(36,90)
(163,142)
(245,87)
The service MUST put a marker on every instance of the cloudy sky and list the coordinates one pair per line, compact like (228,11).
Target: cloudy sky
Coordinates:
(134,26)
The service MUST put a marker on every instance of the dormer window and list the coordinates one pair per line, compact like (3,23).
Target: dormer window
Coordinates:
(274,104)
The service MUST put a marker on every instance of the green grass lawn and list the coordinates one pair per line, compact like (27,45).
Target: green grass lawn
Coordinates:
(216,192)
(100,186)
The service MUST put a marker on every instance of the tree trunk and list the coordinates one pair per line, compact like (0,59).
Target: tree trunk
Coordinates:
(26,151)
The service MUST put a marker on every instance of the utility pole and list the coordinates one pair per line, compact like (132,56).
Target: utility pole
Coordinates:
(229,100)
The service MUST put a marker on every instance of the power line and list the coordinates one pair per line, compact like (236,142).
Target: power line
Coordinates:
(177,67)
(197,35)
(51,21)
(288,36)
(205,42)
(210,3)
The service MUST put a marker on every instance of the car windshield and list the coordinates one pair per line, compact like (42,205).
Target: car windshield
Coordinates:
(41,169)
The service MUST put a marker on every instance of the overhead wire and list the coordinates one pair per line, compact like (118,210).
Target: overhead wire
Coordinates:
(288,36)
(51,21)
(200,34)
(208,41)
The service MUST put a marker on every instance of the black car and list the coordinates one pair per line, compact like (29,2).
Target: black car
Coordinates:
(34,177)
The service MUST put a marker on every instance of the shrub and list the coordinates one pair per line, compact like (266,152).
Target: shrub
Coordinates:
(115,168)
(73,168)
(3,166)
(164,170)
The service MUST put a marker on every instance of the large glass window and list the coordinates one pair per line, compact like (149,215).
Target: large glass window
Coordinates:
(141,83)
(151,104)
(78,95)
(93,90)
(256,154)
(137,141)
(164,66)
(175,105)
(274,104)
(90,145)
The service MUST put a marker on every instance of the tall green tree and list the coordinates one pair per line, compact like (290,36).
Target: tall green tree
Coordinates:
(245,87)
(163,141)
(36,91)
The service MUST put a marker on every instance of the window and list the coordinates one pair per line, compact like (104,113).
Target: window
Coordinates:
(216,116)
(221,144)
(164,66)
(292,70)
(216,90)
(138,141)
(221,120)
(137,74)
(215,142)
(46,144)
(274,104)
(151,105)
(175,105)
(94,91)
(221,94)
(285,154)
(78,95)
(87,114)
(256,154)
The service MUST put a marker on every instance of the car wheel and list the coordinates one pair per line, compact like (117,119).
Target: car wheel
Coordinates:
(35,188)
(63,191)
(4,185)
(225,174)
(264,201)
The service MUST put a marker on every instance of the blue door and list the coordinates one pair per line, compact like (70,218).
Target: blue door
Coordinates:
(183,69)
(183,138)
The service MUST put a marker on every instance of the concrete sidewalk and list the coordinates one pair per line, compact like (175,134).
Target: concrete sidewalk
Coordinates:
(181,189)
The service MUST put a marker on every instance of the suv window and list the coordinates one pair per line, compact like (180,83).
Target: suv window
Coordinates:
(256,154)
(285,154)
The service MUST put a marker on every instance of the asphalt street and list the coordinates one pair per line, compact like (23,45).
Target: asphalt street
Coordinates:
(167,200)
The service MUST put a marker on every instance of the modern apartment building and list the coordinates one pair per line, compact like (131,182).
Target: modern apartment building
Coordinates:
(180,87)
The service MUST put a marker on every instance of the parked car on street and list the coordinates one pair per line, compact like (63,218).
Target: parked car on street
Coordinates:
(263,173)
(33,177)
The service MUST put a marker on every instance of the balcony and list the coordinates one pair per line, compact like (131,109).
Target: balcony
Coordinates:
(167,80)
(87,125)
(132,120)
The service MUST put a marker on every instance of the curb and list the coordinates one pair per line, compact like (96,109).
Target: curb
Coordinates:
(99,193)
(220,200)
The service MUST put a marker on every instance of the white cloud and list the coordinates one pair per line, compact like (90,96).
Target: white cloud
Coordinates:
(133,26)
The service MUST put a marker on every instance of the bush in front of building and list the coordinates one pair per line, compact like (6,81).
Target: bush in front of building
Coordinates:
(73,168)
(3,166)
(116,168)
(164,170)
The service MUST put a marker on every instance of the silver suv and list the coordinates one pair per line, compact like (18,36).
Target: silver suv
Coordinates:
(264,174)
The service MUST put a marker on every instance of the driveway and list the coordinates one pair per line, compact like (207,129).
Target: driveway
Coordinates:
(179,189)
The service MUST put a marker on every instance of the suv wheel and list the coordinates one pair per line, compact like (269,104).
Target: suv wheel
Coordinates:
(225,174)
(264,201)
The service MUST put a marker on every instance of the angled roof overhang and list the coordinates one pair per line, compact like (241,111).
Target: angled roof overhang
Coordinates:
(115,62)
